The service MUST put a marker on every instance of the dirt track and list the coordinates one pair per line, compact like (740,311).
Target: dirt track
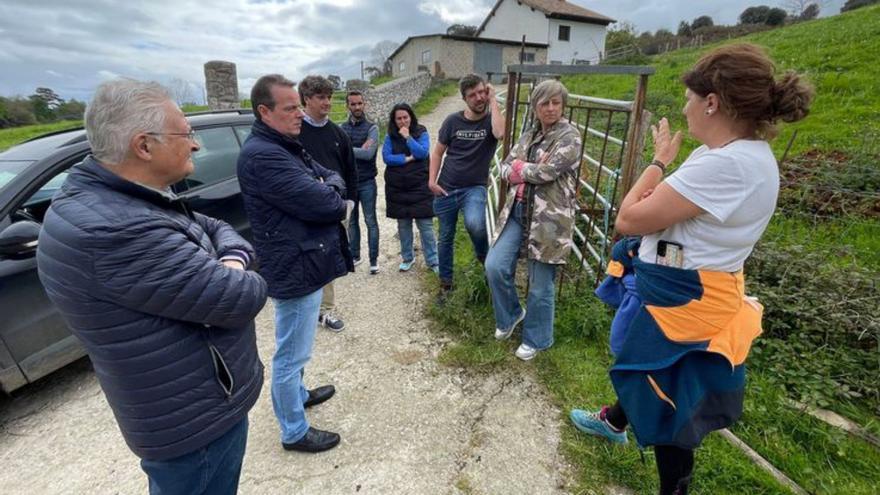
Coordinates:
(409,425)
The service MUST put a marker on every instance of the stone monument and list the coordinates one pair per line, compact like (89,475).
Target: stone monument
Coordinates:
(221,82)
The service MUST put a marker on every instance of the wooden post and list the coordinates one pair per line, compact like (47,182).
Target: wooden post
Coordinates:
(629,169)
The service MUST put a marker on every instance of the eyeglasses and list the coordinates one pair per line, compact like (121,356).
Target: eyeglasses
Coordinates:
(191,135)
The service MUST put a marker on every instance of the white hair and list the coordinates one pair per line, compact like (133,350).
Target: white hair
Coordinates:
(548,89)
(120,109)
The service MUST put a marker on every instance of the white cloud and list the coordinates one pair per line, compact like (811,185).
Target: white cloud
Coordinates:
(458,11)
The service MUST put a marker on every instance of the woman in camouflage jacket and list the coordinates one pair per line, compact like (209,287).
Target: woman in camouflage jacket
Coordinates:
(536,221)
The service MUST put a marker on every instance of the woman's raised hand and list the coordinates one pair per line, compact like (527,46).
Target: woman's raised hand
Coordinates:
(404,132)
(666,145)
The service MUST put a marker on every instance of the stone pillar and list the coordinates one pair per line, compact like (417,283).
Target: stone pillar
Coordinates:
(221,81)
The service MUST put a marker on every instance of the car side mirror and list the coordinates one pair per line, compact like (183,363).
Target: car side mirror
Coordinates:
(19,240)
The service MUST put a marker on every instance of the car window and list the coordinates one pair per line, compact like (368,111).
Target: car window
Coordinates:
(216,159)
(47,190)
(243,132)
(35,206)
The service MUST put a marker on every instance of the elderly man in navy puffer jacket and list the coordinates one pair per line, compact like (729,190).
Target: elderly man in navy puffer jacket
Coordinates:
(159,296)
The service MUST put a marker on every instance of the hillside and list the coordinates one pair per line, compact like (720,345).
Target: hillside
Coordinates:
(838,54)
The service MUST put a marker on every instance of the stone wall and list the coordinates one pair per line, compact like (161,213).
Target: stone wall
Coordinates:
(382,98)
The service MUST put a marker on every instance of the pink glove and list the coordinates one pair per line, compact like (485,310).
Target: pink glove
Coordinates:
(520,191)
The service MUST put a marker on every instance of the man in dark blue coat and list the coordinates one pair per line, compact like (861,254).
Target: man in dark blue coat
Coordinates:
(295,208)
(159,296)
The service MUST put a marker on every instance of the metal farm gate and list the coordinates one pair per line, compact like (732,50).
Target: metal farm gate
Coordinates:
(613,136)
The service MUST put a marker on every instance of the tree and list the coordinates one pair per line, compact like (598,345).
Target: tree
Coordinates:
(381,51)
(811,12)
(336,81)
(181,91)
(620,35)
(461,30)
(776,17)
(684,29)
(702,21)
(857,4)
(70,110)
(796,8)
(20,112)
(754,15)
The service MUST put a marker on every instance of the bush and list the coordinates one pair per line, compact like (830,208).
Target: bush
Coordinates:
(856,4)
(821,325)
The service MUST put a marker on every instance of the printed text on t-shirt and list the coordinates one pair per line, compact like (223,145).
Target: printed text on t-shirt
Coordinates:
(471,135)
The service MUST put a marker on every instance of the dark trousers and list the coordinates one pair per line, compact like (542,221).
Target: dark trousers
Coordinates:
(214,469)
(674,464)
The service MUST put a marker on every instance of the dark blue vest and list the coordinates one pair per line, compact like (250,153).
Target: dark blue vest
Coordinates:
(359,133)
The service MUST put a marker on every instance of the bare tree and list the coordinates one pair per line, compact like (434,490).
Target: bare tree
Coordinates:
(381,52)
(181,91)
(796,8)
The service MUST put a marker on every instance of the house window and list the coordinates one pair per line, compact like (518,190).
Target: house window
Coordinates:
(564,33)
(426,56)
(528,57)
(402,67)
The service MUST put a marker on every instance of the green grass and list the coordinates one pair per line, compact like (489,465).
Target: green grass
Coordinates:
(818,457)
(837,54)
(429,101)
(16,135)
(381,80)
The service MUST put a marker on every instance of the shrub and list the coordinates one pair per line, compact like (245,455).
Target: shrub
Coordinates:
(821,325)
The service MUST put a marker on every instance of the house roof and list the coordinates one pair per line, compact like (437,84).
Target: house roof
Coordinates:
(467,38)
(556,9)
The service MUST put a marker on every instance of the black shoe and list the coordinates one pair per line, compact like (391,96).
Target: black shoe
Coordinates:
(319,395)
(331,322)
(315,441)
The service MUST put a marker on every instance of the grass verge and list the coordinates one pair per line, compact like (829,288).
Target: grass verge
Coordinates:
(818,457)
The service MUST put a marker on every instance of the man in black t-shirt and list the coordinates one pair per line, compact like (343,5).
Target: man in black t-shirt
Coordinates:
(468,139)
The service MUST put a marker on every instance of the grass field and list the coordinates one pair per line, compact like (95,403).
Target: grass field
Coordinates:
(15,135)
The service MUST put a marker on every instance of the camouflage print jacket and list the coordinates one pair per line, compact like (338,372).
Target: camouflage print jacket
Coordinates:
(550,190)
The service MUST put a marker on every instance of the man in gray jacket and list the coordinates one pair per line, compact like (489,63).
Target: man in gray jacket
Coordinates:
(160,297)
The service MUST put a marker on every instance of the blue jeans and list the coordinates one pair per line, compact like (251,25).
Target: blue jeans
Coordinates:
(426,232)
(367,200)
(501,274)
(471,201)
(295,322)
(213,469)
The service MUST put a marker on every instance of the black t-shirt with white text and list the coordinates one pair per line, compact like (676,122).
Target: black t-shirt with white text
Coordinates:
(470,146)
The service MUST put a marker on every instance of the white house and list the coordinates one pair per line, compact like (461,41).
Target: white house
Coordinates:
(573,34)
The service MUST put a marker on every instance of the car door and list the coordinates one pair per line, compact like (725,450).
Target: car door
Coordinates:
(212,189)
(35,336)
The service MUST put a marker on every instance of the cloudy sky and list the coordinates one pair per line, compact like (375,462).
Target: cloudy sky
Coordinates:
(73,45)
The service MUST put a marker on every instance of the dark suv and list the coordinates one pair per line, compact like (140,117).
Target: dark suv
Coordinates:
(34,340)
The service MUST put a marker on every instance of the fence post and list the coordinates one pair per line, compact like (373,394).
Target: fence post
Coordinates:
(629,168)
(509,106)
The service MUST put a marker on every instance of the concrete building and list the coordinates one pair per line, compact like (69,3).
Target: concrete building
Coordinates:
(572,33)
(452,57)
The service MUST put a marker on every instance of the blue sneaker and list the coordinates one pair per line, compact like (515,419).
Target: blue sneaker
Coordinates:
(405,266)
(593,423)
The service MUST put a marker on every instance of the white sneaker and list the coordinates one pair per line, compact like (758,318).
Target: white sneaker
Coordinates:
(357,261)
(374,269)
(525,352)
(502,334)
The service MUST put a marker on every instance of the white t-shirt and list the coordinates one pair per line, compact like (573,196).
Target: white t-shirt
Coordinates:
(737,186)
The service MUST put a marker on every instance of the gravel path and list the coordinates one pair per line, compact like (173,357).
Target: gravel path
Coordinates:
(409,425)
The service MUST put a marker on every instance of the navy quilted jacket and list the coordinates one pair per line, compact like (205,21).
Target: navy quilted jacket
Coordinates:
(295,214)
(169,328)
